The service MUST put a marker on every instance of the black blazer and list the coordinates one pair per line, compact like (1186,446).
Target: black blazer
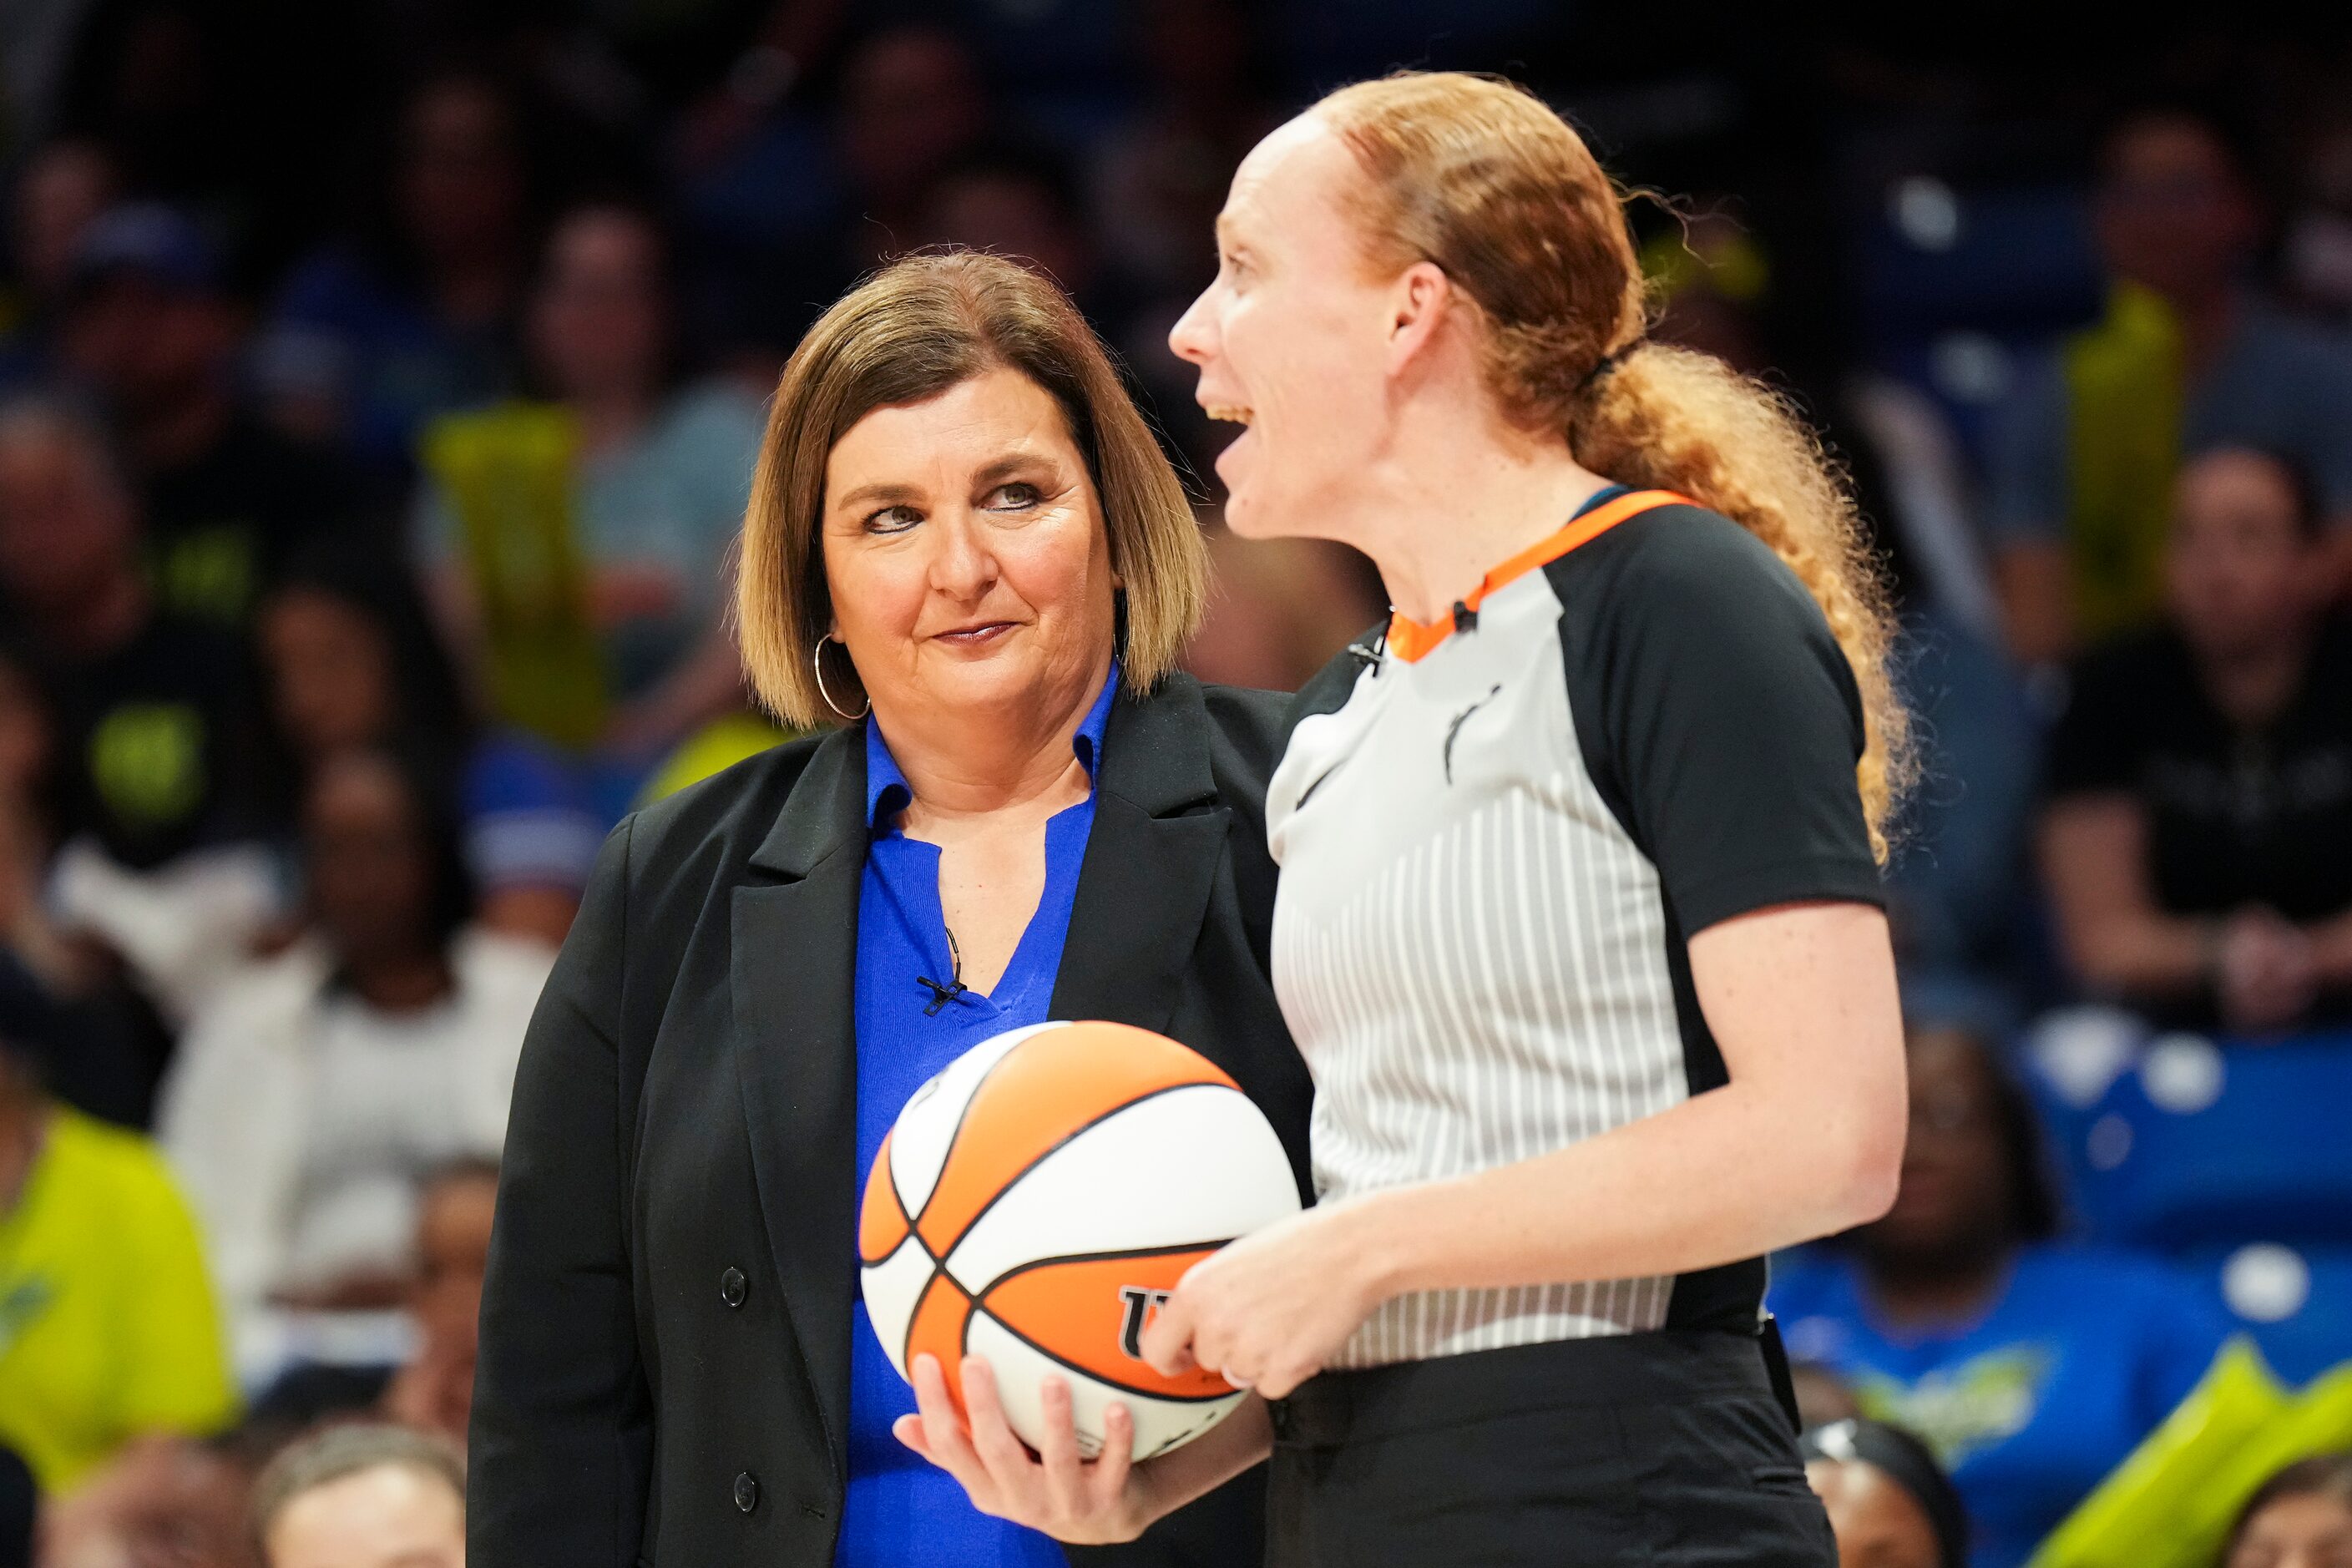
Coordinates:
(665,1352)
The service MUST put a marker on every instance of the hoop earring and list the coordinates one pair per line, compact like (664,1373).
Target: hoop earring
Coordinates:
(816,663)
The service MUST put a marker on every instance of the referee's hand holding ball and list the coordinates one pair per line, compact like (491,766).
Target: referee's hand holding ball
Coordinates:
(1271,1309)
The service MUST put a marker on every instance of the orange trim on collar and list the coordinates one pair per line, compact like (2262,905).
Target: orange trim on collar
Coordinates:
(1410,639)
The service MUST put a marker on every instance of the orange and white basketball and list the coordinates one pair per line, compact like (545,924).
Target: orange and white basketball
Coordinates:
(1036,1201)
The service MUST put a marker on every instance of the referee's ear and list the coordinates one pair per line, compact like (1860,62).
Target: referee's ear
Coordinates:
(1422,303)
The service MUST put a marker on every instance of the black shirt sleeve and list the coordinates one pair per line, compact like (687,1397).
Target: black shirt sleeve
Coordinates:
(1716,714)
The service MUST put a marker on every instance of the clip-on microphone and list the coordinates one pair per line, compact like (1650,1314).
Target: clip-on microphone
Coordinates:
(940,995)
(955,987)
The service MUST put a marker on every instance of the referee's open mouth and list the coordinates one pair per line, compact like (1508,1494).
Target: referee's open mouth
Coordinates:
(1229,414)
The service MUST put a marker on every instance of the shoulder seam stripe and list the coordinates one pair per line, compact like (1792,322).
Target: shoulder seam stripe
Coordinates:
(1410,639)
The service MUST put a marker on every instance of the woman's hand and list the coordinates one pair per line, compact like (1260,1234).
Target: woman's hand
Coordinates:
(1087,1503)
(1270,1310)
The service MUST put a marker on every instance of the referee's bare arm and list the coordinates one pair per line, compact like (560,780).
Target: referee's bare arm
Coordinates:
(1805,1140)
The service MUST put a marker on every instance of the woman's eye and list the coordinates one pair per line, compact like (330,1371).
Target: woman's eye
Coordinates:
(1016,496)
(893,520)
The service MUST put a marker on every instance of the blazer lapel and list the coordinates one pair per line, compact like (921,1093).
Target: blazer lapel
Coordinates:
(793,974)
(1152,859)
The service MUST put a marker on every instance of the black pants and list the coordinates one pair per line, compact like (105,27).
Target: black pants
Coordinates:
(1665,1450)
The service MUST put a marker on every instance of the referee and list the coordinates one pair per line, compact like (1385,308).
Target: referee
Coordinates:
(1577,928)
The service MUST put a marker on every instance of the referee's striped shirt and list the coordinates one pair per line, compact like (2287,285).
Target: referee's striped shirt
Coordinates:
(1496,842)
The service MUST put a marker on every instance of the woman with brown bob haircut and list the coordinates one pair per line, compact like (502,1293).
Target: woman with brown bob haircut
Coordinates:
(1579,922)
(965,554)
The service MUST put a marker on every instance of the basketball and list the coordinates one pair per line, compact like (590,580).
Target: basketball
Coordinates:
(1036,1201)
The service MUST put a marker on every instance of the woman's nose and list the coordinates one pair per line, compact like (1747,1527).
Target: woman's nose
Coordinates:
(962,564)
(1192,338)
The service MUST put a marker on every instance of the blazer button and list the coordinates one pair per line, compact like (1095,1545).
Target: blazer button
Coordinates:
(747,1492)
(733,1286)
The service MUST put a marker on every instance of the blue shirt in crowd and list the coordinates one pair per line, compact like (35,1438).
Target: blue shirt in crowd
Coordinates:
(902,1511)
(344,327)
(2032,1405)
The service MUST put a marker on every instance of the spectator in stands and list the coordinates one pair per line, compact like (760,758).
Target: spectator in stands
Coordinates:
(910,101)
(729,70)
(2317,244)
(18,1502)
(157,795)
(435,1392)
(162,1501)
(107,1323)
(2300,1518)
(1889,1503)
(116,1043)
(657,484)
(1953,887)
(1822,1397)
(1280,609)
(2030,1368)
(416,316)
(2198,838)
(322,1087)
(1156,183)
(1160,179)
(27,937)
(150,328)
(1021,200)
(27,751)
(60,191)
(364,1497)
(2187,359)
(353,661)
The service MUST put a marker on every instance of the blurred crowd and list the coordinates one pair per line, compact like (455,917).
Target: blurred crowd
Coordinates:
(379,389)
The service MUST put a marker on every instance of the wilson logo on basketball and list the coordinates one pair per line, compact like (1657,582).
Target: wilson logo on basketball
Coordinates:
(1141,1304)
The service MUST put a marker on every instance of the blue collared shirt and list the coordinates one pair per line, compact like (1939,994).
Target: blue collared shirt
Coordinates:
(902,1512)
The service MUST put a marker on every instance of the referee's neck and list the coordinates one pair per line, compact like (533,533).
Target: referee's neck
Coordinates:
(1449,520)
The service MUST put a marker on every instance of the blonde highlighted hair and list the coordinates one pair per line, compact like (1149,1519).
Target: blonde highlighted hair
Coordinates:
(914,330)
(1482,179)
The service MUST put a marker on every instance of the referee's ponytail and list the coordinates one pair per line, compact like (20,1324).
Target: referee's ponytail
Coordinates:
(1481,178)
(1669,418)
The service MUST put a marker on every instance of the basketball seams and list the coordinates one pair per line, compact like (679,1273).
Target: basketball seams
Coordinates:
(891,1290)
(913,1314)
(1179,1066)
(978,1311)
(946,1155)
(1035,1264)
(888,1171)
(1193,1164)
(907,1334)
(1017,1177)
(915,1320)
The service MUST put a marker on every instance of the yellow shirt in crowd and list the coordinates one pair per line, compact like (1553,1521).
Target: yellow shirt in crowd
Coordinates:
(108,1327)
